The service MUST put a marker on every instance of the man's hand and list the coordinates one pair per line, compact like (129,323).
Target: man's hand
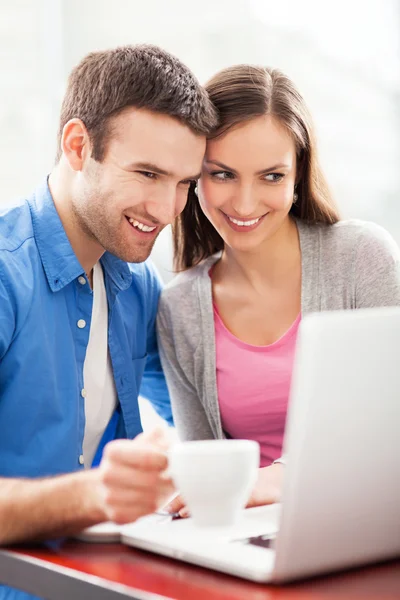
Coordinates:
(267,490)
(130,478)
(129,483)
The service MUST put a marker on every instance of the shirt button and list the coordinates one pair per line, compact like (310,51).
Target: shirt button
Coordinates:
(82,280)
(83,393)
(81,459)
(81,323)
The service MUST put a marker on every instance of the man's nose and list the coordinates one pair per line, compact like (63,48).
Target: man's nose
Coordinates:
(162,206)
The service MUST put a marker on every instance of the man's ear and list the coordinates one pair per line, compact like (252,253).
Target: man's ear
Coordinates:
(75,143)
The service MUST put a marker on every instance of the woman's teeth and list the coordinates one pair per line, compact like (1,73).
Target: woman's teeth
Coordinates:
(244,223)
(140,225)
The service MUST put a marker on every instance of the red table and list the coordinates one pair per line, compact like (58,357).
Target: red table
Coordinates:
(79,571)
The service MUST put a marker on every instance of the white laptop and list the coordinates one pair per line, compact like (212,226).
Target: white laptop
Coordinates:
(341,499)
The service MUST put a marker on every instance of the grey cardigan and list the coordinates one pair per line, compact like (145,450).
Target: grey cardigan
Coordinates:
(351,264)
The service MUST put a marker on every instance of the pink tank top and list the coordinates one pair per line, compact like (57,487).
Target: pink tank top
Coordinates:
(253,385)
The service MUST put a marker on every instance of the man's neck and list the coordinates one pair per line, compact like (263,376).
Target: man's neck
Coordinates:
(87,250)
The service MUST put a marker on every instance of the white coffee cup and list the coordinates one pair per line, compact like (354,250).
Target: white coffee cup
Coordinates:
(215,478)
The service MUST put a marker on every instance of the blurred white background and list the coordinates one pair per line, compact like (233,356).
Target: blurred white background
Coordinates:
(343,55)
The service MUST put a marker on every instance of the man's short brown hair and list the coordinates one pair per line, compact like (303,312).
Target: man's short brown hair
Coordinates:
(142,76)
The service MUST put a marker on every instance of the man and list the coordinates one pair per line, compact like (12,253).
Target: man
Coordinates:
(76,321)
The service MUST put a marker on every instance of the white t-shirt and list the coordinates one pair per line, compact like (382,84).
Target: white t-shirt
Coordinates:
(99,387)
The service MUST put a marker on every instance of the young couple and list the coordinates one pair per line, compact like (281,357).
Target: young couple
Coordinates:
(258,243)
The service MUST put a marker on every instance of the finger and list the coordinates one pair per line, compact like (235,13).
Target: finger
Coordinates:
(184,513)
(121,497)
(130,478)
(157,436)
(135,454)
(127,513)
(176,504)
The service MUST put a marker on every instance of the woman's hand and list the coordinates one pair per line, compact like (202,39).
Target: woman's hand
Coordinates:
(268,490)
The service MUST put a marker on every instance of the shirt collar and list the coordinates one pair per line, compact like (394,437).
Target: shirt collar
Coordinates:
(117,270)
(57,255)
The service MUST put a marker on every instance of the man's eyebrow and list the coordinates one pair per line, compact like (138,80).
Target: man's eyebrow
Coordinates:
(146,166)
(266,170)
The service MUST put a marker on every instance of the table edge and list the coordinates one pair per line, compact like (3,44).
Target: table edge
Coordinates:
(62,582)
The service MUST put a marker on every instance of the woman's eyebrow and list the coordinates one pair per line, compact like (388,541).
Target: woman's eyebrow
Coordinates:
(261,172)
(221,165)
(274,168)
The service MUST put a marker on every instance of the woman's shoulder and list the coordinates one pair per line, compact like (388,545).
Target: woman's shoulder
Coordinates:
(353,235)
(182,292)
(356,229)
(352,263)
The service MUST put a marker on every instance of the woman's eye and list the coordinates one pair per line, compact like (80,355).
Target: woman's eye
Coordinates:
(221,175)
(274,177)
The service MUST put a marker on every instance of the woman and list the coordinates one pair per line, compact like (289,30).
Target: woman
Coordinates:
(259,244)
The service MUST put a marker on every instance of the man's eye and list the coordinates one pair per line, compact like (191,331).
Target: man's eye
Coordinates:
(148,174)
(189,182)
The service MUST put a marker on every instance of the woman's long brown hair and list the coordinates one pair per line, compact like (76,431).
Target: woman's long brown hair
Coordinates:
(239,94)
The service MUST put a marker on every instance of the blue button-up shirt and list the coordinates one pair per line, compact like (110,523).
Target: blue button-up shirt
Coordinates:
(42,347)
